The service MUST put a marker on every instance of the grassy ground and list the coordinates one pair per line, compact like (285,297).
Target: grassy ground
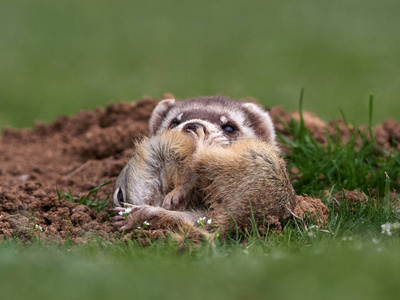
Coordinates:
(60,57)
(320,269)
(352,257)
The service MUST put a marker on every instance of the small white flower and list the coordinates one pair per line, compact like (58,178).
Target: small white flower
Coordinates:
(38,227)
(209,221)
(388,227)
(201,220)
(375,241)
(146,224)
(126,212)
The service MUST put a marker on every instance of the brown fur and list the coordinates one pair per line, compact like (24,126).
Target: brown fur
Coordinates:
(239,183)
(244,182)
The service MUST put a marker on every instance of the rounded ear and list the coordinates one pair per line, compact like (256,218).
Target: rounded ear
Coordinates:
(159,114)
(262,123)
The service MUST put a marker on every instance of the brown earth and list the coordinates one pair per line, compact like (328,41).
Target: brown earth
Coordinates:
(82,152)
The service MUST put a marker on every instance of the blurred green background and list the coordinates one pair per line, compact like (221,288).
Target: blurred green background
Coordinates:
(58,57)
(328,270)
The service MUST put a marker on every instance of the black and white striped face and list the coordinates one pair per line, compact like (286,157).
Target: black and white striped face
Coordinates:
(225,120)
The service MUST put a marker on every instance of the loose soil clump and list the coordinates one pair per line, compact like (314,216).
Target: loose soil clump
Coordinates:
(74,155)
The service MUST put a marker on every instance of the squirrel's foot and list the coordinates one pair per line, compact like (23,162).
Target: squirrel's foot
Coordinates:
(137,216)
(176,199)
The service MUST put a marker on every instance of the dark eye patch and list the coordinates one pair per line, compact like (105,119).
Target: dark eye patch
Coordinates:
(228,128)
(174,123)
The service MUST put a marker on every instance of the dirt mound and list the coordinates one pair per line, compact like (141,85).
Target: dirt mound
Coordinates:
(73,153)
(312,208)
(79,153)
(387,134)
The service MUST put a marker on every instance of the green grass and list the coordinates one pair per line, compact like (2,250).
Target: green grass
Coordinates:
(354,164)
(348,258)
(58,57)
(90,199)
(324,267)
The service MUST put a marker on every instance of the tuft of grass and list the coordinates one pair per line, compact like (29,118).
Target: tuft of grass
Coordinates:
(363,218)
(356,164)
(90,199)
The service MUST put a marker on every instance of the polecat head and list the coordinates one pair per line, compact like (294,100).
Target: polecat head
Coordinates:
(226,120)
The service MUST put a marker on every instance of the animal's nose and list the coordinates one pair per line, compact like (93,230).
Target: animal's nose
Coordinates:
(194,126)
